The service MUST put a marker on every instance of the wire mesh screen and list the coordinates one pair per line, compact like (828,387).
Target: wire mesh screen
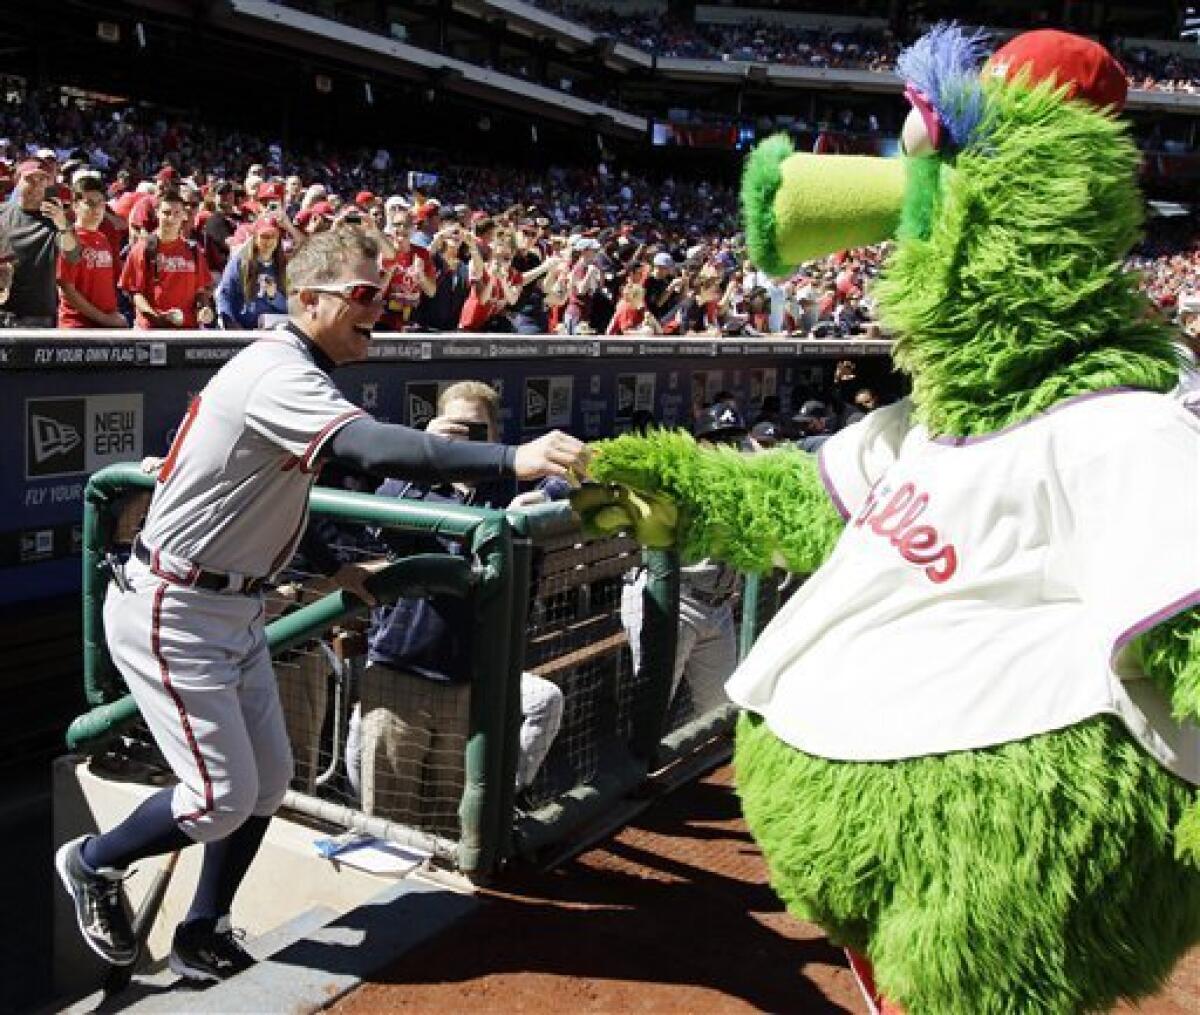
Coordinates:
(383,741)
(577,642)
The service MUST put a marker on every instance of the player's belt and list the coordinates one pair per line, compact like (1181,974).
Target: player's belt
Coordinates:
(198,577)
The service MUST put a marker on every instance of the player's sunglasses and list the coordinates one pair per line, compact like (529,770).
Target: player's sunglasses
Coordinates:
(361,294)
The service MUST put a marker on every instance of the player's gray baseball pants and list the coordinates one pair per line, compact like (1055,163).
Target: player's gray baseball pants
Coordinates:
(198,667)
(706,646)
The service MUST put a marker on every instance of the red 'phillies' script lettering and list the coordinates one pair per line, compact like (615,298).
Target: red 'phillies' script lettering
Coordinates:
(896,521)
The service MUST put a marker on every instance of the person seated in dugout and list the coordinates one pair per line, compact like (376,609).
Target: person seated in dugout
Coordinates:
(407,744)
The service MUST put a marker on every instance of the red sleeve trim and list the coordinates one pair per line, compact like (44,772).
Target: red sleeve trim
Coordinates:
(314,446)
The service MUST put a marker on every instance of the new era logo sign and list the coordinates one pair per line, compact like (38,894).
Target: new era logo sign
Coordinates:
(68,436)
(55,436)
(52,437)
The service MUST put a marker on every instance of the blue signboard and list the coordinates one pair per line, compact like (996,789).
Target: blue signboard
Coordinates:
(75,404)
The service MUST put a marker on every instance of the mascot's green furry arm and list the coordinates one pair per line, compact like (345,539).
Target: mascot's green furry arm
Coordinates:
(753,512)
(907,761)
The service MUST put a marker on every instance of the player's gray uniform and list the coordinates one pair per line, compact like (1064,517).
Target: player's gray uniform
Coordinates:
(232,498)
(706,649)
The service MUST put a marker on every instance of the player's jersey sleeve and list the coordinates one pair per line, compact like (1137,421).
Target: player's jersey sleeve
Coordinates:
(298,409)
(854,459)
(1134,512)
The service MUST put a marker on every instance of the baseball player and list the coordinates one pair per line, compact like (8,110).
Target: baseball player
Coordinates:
(184,620)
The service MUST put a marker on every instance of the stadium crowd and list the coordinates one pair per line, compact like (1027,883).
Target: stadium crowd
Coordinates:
(759,41)
(113,218)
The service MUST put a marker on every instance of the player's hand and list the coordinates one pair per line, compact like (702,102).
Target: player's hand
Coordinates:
(555,454)
(443,426)
(150,465)
(527,499)
(353,579)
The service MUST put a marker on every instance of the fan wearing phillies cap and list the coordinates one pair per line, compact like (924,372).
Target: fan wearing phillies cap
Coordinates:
(34,234)
(253,288)
(166,274)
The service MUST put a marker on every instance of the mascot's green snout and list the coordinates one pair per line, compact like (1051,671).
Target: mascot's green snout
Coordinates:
(970,746)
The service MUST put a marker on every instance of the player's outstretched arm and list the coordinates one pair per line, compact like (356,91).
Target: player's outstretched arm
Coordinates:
(388,449)
(754,512)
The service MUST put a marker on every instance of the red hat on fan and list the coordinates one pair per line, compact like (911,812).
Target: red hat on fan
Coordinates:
(364,199)
(144,214)
(272,191)
(1088,70)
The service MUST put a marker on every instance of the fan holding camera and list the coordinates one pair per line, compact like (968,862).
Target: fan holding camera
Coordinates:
(34,231)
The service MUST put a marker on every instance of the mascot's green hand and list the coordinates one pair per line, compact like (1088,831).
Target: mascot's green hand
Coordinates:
(605,509)
(654,516)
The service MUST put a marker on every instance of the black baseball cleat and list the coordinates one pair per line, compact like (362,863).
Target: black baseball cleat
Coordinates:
(99,909)
(208,951)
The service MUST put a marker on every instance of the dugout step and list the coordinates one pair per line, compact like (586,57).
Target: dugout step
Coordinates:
(327,960)
(147,988)
(286,881)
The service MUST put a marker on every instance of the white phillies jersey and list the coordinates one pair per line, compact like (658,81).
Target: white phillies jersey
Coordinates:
(233,492)
(984,589)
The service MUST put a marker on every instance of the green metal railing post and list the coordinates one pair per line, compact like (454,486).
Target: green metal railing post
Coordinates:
(530,526)
(480,807)
(101,683)
(749,627)
(660,634)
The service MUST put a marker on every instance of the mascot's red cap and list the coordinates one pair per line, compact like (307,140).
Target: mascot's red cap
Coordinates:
(1089,71)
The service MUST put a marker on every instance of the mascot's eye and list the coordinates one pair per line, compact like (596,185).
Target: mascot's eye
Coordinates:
(916,138)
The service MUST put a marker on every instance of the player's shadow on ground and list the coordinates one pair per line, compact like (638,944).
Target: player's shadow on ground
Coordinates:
(630,912)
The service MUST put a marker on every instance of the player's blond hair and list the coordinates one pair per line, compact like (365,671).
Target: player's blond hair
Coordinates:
(322,257)
(472,391)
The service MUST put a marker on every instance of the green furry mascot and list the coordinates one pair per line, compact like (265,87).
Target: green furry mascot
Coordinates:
(970,747)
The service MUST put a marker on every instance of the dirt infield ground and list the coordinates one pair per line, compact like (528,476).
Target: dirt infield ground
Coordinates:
(673,913)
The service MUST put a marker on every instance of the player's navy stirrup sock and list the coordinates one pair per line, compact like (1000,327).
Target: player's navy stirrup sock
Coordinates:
(225,864)
(150,830)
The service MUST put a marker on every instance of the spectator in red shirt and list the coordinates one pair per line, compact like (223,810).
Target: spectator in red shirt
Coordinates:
(585,280)
(631,316)
(413,275)
(495,286)
(88,286)
(166,275)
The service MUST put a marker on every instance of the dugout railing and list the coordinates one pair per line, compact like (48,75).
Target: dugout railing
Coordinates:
(434,766)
